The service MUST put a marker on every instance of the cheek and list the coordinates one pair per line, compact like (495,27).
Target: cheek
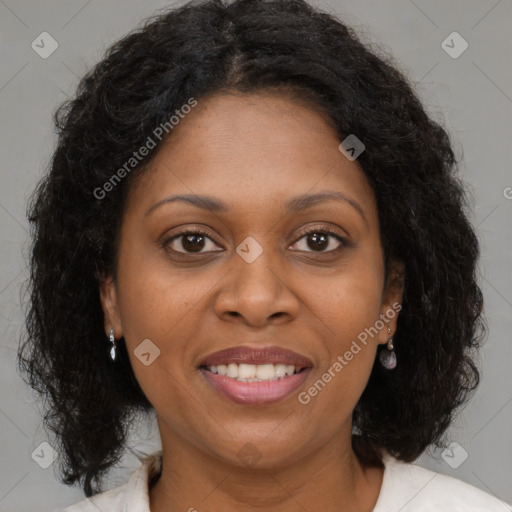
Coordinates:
(350,300)
(349,306)
(156,303)
(159,306)
(155,298)
(350,312)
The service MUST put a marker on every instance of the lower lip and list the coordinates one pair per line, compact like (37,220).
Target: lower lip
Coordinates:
(256,393)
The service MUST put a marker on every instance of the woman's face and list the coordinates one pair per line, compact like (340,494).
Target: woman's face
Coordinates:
(255,280)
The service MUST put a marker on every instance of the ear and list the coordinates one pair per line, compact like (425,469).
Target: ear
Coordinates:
(109,304)
(392,300)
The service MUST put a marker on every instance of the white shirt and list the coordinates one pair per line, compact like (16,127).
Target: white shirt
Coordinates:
(405,487)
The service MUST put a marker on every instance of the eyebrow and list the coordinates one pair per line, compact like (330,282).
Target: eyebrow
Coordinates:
(294,205)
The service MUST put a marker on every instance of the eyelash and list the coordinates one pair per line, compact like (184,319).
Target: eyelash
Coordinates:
(323,230)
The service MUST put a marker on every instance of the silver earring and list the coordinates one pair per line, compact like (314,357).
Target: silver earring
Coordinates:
(114,345)
(388,357)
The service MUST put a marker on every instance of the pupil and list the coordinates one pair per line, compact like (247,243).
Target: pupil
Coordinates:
(196,242)
(320,241)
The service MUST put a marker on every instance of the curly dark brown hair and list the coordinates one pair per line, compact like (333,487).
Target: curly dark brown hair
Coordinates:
(195,50)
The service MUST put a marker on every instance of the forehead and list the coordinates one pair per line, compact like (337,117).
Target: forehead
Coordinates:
(252,150)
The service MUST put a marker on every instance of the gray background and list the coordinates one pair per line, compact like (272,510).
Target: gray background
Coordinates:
(471,95)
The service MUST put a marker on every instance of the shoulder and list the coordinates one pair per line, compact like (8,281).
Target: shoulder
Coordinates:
(411,488)
(112,500)
(133,496)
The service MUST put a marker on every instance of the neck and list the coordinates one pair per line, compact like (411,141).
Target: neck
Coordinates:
(329,479)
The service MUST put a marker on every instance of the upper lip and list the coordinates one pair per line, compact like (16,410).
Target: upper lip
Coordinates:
(256,355)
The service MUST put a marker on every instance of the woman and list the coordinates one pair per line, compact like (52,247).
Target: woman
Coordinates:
(251,227)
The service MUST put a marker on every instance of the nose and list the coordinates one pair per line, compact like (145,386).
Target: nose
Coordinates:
(256,294)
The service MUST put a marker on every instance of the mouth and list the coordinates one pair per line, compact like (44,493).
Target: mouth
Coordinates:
(255,376)
(254,372)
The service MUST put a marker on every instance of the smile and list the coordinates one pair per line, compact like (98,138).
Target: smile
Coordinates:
(253,391)
(255,375)
(253,372)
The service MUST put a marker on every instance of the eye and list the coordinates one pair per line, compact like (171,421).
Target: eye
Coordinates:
(192,241)
(321,240)
(195,241)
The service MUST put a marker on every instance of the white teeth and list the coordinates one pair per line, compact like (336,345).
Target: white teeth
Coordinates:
(249,371)
(264,371)
(232,370)
(253,372)
(280,370)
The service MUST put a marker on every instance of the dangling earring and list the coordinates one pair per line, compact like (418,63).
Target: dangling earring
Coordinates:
(388,357)
(114,345)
